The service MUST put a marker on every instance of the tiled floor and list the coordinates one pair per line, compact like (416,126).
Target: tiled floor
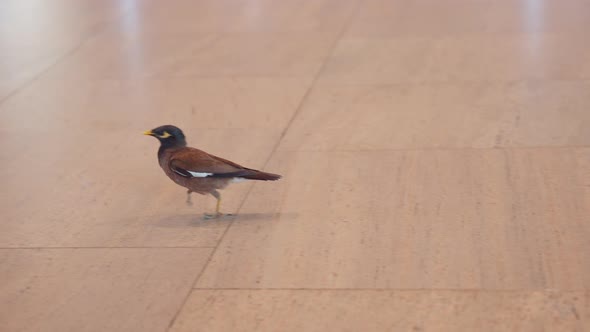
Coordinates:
(435,154)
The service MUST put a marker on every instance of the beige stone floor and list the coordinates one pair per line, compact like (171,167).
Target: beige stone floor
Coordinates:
(436,162)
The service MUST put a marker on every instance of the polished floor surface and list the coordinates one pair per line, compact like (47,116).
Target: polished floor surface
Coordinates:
(436,162)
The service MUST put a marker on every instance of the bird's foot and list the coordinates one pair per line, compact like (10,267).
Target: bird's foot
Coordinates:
(209,216)
(189,202)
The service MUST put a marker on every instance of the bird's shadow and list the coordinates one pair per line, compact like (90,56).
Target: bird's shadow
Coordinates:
(198,220)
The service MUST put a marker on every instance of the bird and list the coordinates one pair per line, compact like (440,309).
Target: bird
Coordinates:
(197,170)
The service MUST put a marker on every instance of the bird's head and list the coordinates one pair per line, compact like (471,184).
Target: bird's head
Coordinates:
(168,135)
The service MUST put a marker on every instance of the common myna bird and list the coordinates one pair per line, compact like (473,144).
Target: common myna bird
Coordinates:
(197,170)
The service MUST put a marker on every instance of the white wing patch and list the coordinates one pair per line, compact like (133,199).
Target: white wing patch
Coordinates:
(235,180)
(199,174)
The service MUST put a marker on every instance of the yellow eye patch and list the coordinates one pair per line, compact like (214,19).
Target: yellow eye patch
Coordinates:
(164,135)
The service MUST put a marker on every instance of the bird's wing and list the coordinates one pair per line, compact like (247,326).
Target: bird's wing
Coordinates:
(194,163)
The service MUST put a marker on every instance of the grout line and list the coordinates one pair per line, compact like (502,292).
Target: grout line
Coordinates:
(139,247)
(271,154)
(327,82)
(452,82)
(93,31)
(490,290)
(499,148)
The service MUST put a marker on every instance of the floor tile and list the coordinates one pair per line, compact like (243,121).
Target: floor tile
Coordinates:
(442,115)
(118,54)
(424,219)
(350,310)
(386,18)
(477,58)
(245,16)
(95,289)
(46,32)
(209,103)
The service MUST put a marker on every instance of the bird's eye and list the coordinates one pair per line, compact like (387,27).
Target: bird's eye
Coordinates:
(165,134)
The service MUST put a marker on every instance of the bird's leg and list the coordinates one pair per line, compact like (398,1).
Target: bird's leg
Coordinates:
(189,202)
(218,213)
(217,196)
(217,206)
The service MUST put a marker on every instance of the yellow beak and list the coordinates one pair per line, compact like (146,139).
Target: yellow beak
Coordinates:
(148,132)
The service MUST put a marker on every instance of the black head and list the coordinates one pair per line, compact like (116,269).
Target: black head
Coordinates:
(169,136)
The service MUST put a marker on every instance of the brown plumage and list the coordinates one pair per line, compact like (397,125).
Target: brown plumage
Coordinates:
(197,170)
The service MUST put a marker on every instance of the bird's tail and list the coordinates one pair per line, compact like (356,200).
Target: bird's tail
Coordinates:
(259,175)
